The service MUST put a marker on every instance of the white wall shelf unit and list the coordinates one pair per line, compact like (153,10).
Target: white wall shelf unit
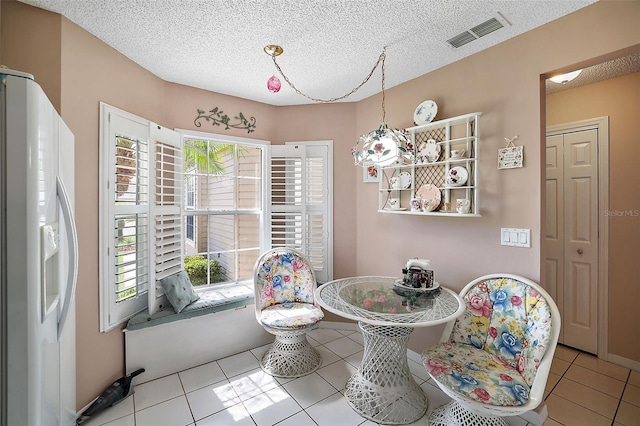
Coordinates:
(432,171)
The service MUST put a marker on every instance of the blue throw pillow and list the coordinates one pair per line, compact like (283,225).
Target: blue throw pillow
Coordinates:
(179,291)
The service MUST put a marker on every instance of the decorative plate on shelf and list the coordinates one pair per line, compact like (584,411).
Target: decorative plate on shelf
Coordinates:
(431,197)
(456,176)
(430,150)
(404,180)
(425,113)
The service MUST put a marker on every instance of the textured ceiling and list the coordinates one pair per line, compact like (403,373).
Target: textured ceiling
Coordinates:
(614,68)
(330,46)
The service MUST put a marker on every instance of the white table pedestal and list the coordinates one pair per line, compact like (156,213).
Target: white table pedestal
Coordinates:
(383,389)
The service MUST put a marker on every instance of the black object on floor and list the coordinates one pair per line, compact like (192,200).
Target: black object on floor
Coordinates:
(119,390)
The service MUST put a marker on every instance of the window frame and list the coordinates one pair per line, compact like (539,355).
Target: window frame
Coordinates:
(265,145)
(190,187)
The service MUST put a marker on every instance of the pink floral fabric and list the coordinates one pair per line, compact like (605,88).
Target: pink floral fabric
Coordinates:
(504,330)
(284,277)
(285,283)
(476,374)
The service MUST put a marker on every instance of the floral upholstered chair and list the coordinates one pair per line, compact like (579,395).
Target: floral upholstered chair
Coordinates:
(494,360)
(284,283)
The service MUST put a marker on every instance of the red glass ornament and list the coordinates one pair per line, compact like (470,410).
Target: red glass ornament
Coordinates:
(273,84)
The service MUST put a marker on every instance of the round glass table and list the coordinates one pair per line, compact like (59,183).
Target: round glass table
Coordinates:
(383,389)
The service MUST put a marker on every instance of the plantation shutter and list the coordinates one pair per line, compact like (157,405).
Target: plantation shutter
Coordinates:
(287,208)
(299,211)
(166,210)
(317,228)
(125,223)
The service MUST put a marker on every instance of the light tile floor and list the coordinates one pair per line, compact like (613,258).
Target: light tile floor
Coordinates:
(581,391)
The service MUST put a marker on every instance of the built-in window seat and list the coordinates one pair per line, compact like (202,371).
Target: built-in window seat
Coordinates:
(212,299)
(219,324)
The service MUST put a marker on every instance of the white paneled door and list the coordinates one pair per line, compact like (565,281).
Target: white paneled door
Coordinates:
(572,234)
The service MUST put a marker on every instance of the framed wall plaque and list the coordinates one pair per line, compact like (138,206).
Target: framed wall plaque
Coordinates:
(511,156)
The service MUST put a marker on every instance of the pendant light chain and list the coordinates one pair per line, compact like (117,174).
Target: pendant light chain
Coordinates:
(380,59)
(384,111)
(383,146)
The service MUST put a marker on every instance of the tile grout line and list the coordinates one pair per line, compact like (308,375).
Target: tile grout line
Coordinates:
(554,386)
(621,396)
(563,374)
(302,409)
(184,393)
(583,407)
(562,377)
(619,402)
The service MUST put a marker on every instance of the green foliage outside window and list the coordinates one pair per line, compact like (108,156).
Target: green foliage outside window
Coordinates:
(196,267)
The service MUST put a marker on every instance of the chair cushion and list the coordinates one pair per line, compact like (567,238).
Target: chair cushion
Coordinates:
(291,315)
(476,374)
(283,278)
(507,318)
(179,291)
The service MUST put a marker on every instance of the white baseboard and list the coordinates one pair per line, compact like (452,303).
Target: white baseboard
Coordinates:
(624,362)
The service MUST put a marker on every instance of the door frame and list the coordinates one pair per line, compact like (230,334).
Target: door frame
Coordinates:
(601,124)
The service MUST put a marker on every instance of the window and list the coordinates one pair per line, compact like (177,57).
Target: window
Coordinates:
(224,192)
(209,204)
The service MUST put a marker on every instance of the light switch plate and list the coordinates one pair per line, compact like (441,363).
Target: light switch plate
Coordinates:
(515,237)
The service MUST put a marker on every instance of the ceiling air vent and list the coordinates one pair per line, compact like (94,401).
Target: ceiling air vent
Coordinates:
(461,39)
(476,32)
(487,27)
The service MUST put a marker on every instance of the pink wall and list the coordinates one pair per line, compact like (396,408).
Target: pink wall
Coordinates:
(93,72)
(502,82)
(619,99)
(40,31)
(182,102)
(461,249)
(330,122)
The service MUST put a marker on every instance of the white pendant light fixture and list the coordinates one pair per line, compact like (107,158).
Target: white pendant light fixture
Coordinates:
(565,78)
(383,146)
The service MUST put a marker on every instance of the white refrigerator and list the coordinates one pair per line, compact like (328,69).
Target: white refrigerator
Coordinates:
(38,248)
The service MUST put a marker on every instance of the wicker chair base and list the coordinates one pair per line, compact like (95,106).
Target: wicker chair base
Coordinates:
(290,355)
(454,414)
(383,389)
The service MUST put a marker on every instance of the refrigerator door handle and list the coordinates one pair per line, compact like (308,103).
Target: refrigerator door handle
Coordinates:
(72,237)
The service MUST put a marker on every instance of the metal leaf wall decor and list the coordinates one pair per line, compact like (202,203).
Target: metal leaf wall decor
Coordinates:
(217,117)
